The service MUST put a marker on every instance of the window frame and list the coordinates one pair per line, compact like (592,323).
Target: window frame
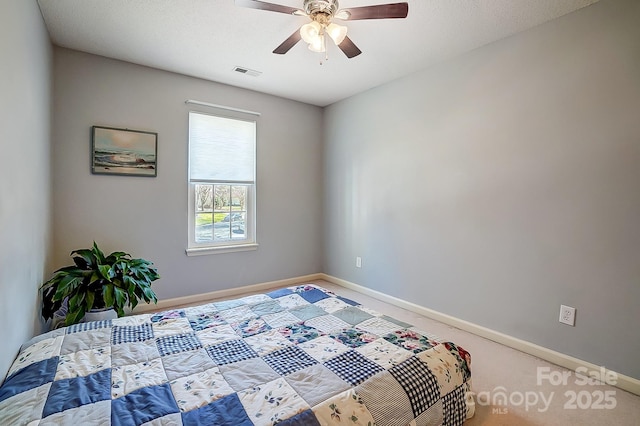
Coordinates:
(248,243)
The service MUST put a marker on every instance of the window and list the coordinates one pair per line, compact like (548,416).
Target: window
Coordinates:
(222,158)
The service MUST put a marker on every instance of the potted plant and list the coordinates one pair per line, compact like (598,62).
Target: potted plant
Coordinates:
(98,282)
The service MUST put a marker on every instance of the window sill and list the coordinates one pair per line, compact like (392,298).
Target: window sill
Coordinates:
(203,251)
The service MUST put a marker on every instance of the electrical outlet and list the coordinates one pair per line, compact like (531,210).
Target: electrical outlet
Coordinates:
(567,315)
(358,262)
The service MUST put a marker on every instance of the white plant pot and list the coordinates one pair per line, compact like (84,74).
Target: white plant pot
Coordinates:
(100,315)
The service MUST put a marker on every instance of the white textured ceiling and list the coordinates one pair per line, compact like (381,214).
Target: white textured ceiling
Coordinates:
(208,38)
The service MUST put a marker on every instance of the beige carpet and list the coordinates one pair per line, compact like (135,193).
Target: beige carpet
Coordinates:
(497,369)
(562,397)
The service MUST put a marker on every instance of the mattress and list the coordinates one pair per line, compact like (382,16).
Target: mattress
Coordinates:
(300,355)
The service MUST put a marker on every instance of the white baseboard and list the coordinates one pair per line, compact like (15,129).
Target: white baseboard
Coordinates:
(219,294)
(627,383)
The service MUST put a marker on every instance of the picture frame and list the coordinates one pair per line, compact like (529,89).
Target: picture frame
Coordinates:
(125,152)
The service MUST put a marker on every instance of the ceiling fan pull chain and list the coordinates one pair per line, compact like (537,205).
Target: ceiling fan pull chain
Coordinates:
(323,34)
(326,50)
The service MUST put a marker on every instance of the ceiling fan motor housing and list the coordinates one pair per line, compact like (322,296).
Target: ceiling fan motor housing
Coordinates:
(328,8)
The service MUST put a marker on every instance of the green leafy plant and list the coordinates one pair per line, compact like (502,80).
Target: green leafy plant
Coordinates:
(96,281)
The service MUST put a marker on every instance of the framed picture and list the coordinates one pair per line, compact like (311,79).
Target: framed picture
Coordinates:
(123,152)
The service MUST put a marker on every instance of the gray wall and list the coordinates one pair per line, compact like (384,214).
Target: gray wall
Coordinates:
(493,187)
(147,217)
(25,93)
(497,186)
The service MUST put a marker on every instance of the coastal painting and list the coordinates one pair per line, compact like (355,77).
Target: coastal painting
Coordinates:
(123,152)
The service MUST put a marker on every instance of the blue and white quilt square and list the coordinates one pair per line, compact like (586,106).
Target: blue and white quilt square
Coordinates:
(230,351)
(289,360)
(131,333)
(178,343)
(353,367)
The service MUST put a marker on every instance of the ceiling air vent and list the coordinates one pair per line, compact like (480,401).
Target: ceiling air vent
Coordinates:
(247,71)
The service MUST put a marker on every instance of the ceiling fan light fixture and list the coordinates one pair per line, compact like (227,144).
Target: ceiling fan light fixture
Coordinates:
(310,32)
(337,33)
(318,45)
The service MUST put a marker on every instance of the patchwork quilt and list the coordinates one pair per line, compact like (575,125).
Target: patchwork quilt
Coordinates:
(300,355)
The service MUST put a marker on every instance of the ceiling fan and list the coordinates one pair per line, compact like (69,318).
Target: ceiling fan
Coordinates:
(322,13)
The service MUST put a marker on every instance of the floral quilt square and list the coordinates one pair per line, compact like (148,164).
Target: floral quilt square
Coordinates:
(384,353)
(83,363)
(216,334)
(171,326)
(410,340)
(39,351)
(272,402)
(299,333)
(267,342)
(205,320)
(291,301)
(250,327)
(323,348)
(199,389)
(353,338)
(167,315)
(344,408)
(128,378)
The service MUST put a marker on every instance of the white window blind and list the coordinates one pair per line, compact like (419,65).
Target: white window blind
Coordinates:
(221,149)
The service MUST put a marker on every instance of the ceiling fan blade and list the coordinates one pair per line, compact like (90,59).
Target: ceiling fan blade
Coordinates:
(288,43)
(271,7)
(349,49)
(380,11)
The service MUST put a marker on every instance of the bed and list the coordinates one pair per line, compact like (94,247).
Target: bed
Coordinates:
(299,355)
